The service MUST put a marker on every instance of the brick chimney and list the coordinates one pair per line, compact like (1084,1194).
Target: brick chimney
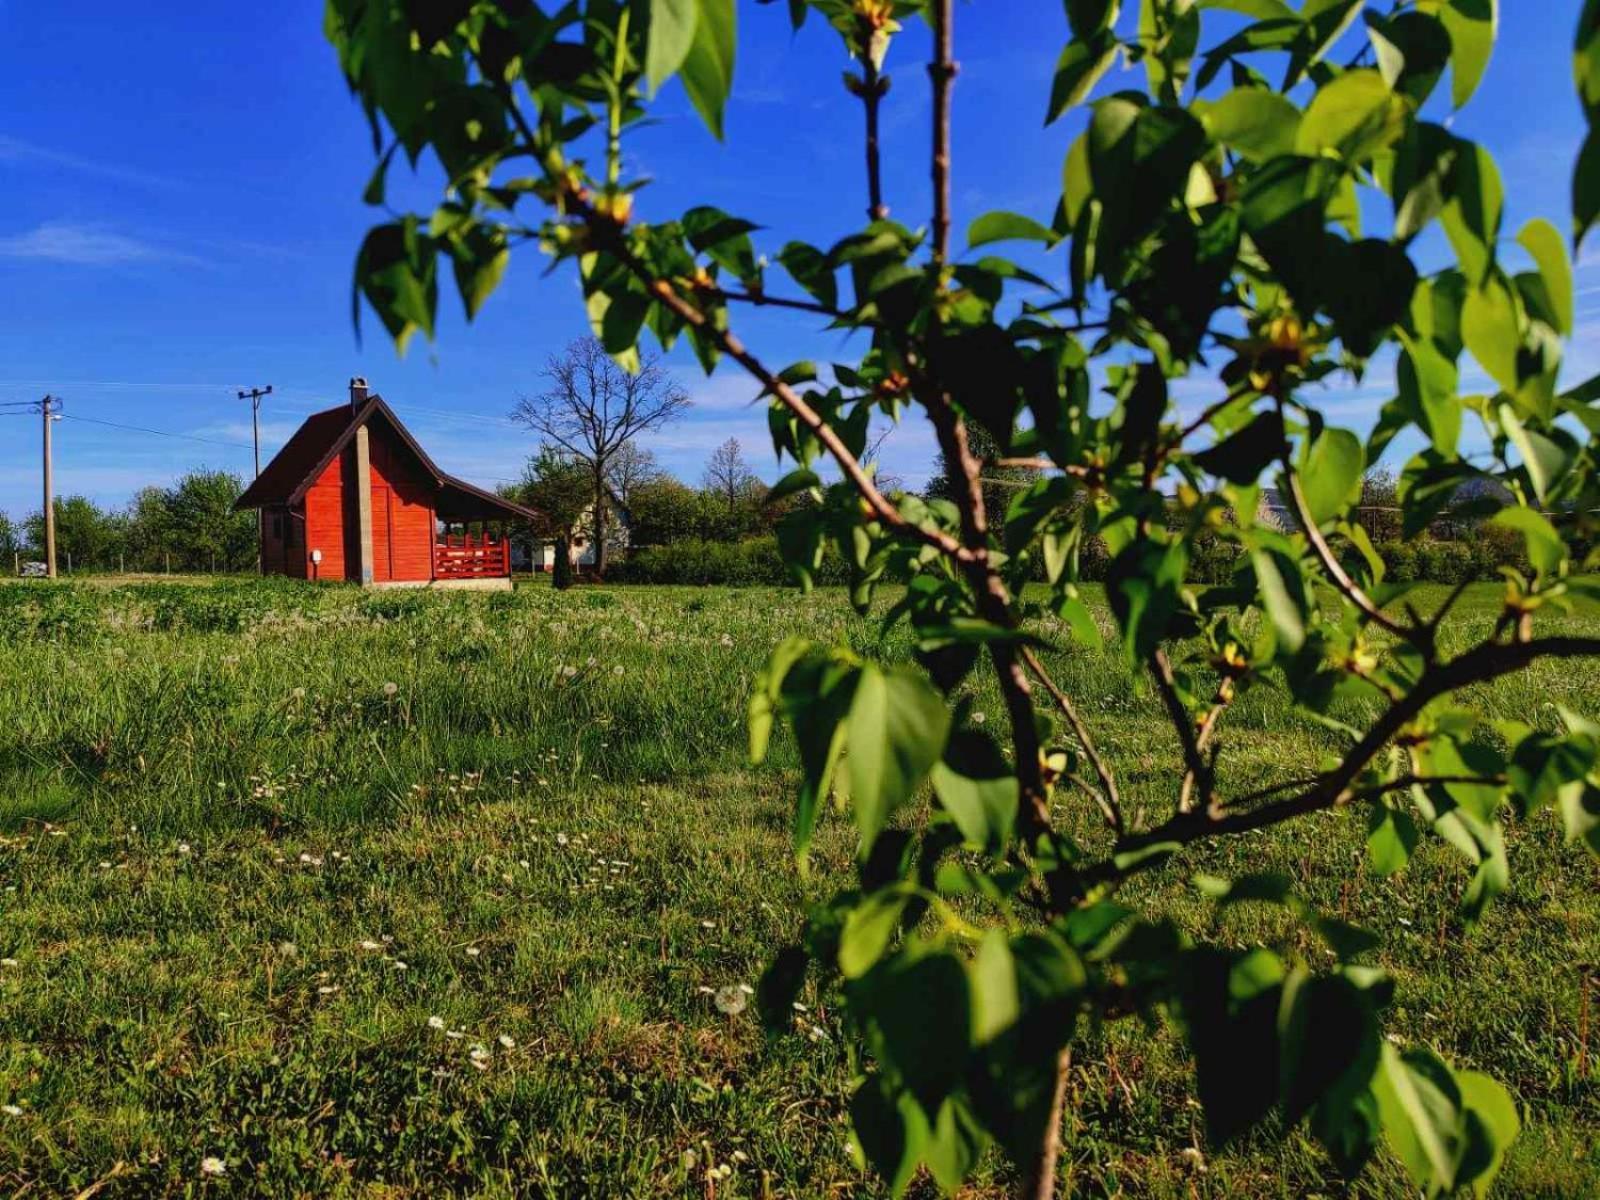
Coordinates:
(358,393)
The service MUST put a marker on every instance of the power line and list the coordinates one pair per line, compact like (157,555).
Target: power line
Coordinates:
(188,437)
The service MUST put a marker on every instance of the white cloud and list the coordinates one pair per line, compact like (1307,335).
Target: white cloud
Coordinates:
(84,245)
(15,150)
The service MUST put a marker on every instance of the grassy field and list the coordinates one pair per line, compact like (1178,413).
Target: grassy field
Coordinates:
(402,894)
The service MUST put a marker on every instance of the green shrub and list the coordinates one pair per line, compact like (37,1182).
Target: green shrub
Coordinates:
(1400,561)
(754,562)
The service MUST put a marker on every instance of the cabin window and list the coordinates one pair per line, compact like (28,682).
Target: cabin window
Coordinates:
(277,525)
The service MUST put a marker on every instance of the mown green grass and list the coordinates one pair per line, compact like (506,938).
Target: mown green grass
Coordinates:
(221,838)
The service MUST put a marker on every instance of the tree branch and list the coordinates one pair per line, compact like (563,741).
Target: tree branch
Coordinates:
(942,70)
(1420,637)
(1487,661)
(871,96)
(1110,802)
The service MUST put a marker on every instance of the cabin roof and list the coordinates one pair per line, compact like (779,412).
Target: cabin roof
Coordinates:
(323,435)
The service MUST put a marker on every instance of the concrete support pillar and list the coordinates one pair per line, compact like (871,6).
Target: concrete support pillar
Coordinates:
(363,482)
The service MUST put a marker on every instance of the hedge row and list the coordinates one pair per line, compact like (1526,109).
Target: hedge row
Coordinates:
(756,562)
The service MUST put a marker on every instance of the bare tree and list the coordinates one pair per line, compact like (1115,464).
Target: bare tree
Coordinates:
(872,458)
(592,408)
(728,476)
(630,467)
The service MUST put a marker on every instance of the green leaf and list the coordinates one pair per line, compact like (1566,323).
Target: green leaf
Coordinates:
(1472,25)
(992,981)
(868,930)
(1546,550)
(479,258)
(1261,10)
(1006,226)
(1331,477)
(1082,65)
(1242,457)
(396,272)
(1540,239)
(1285,612)
(1413,50)
(1546,461)
(1257,123)
(1391,837)
(891,1131)
(897,729)
(1586,187)
(672,28)
(1495,1110)
(1324,22)
(919,1011)
(1354,116)
(1420,1107)
(812,270)
(1586,59)
(977,788)
(1580,811)
(1088,17)
(707,69)
(798,480)
(1471,215)
(954,1145)
(1543,764)
(1489,327)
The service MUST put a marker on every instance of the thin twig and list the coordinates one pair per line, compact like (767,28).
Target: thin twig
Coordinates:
(1195,769)
(1421,637)
(762,300)
(1110,801)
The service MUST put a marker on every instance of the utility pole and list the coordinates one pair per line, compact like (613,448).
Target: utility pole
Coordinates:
(49,410)
(254,395)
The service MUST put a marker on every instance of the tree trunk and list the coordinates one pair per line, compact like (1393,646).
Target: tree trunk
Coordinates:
(561,569)
(598,520)
(1039,1179)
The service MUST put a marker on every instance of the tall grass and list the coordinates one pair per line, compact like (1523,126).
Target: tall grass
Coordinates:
(241,874)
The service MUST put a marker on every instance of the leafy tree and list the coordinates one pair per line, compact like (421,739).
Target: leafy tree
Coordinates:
(665,511)
(1207,218)
(86,534)
(557,487)
(205,531)
(592,408)
(150,531)
(10,540)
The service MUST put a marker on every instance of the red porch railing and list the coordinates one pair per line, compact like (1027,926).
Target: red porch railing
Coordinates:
(468,556)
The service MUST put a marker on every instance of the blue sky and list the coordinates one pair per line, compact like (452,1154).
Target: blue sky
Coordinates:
(180,206)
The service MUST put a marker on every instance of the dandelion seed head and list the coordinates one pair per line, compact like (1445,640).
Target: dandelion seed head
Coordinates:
(212,1165)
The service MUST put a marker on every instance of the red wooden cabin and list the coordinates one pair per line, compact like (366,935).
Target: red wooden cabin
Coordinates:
(353,496)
